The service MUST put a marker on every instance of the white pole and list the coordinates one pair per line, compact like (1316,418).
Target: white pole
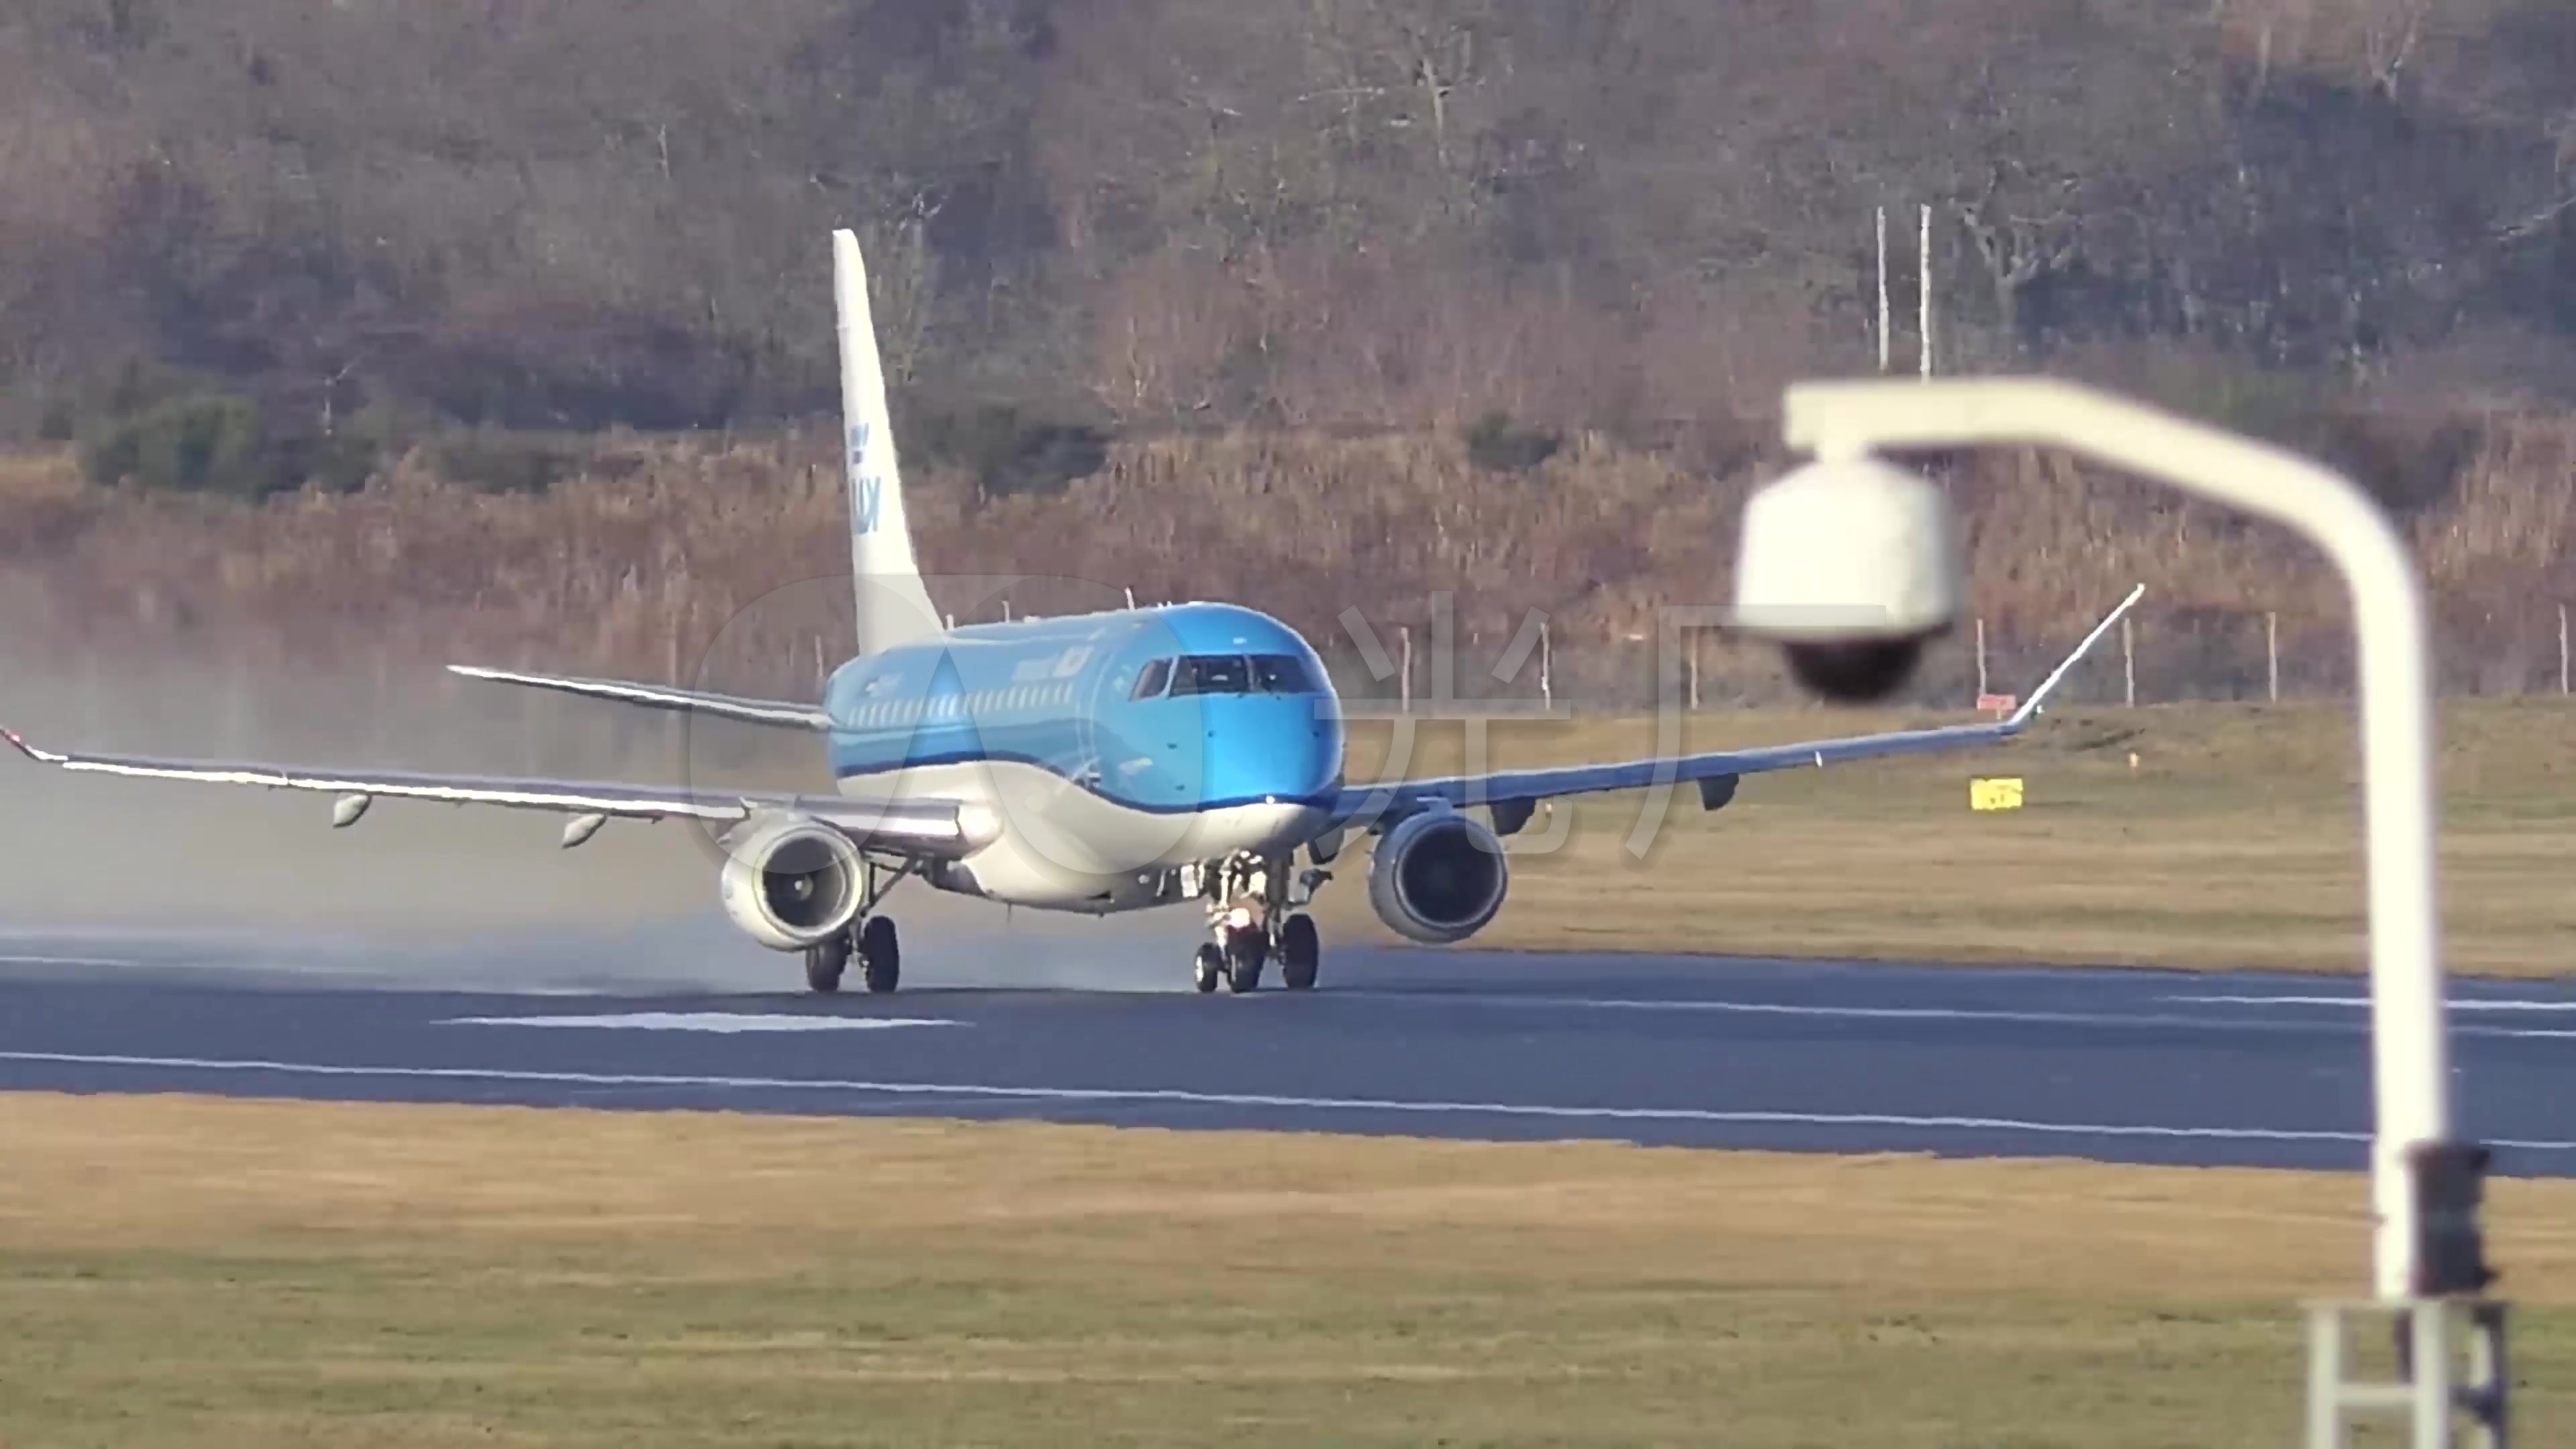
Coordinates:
(1694,671)
(1407,686)
(2128,663)
(2562,649)
(1981,656)
(1885,341)
(1546,668)
(1925,270)
(2410,1051)
(2272,653)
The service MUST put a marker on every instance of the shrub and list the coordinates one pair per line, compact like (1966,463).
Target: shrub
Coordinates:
(202,443)
(1009,452)
(219,444)
(504,462)
(1497,446)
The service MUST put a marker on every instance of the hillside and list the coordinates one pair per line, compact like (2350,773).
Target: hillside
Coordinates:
(1487,294)
(572,213)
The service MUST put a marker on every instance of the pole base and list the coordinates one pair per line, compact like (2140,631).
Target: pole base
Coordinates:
(2433,1391)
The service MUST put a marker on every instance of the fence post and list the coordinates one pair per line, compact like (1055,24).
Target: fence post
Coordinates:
(2272,651)
(1981,656)
(1405,689)
(1925,269)
(1884,316)
(2128,663)
(2562,649)
(1546,667)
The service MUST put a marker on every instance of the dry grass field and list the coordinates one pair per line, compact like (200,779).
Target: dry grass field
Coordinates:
(178,1271)
(2233,842)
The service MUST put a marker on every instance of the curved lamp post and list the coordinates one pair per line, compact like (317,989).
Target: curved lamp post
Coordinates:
(2423,1185)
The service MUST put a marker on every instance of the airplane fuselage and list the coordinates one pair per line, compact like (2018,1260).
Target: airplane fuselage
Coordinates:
(1116,747)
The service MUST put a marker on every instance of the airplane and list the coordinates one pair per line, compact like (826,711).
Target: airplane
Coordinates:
(1103,762)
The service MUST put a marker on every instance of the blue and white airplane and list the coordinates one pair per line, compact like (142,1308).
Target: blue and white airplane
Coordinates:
(1103,762)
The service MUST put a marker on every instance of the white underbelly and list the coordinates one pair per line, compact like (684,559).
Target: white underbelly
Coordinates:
(1063,847)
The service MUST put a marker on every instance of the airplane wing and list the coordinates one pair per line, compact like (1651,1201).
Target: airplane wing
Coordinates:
(929,829)
(1378,806)
(784,713)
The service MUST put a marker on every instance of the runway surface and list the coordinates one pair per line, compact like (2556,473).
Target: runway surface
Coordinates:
(2123,1066)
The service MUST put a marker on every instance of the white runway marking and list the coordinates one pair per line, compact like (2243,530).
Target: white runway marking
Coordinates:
(2363,1004)
(1180,1097)
(2008,1016)
(713,1021)
(2465,1004)
(67,961)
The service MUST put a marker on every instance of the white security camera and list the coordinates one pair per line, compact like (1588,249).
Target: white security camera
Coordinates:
(1852,565)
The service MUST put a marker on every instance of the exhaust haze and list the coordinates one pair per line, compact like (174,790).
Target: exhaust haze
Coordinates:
(426,896)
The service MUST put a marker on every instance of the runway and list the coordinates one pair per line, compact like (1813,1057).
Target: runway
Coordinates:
(2146,1067)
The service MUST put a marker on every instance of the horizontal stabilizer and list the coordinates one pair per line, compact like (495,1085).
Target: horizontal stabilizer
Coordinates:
(785,714)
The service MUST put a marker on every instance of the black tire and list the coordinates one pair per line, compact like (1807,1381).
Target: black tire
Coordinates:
(1245,951)
(824,962)
(880,954)
(1300,952)
(1207,968)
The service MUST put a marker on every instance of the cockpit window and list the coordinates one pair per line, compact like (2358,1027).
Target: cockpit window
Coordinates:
(1213,674)
(1238,674)
(1282,674)
(1151,682)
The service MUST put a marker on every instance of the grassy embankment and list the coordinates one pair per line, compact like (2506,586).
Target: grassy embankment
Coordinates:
(662,556)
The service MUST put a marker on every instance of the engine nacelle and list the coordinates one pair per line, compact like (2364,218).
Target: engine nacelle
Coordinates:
(791,881)
(1438,877)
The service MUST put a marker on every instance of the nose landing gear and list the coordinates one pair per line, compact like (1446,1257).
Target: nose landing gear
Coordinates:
(1254,913)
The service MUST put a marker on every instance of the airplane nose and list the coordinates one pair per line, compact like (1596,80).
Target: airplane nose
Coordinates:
(1276,753)
(1309,757)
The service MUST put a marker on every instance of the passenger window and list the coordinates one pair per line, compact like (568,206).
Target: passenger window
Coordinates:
(1282,674)
(1213,674)
(1151,682)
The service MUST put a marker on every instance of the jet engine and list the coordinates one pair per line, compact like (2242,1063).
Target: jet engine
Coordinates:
(1438,877)
(791,881)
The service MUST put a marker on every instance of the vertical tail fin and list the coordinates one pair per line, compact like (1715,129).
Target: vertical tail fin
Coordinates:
(893,606)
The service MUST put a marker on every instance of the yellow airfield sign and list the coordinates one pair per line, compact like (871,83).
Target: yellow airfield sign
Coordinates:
(2001,793)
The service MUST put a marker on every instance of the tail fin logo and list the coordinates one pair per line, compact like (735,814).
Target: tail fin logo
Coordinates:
(865,491)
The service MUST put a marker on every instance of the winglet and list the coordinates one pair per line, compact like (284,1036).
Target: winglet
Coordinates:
(41,757)
(2031,705)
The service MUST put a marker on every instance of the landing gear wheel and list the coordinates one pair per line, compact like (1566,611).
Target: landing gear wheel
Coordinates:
(824,961)
(1300,952)
(1245,951)
(880,954)
(1208,968)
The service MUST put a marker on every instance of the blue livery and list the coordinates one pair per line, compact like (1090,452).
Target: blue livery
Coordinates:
(1182,709)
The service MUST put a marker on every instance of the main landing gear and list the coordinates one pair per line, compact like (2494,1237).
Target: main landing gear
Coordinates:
(1253,912)
(872,942)
(868,938)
